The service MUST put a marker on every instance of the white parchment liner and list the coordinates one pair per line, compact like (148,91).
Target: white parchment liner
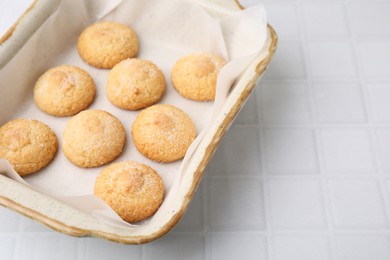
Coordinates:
(168,30)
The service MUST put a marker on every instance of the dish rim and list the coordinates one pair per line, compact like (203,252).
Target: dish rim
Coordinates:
(59,226)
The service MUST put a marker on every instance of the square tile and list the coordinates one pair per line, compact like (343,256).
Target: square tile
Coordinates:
(332,59)
(238,246)
(325,20)
(100,249)
(301,247)
(296,204)
(375,58)
(9,220)
(193,218)
(383,141)
(379,95)
(248,114)
(339,103)
(173,246)
(236,204)
(290,151)
(7,247)
(238,154)
(284,103)
(357,204)
(287,63)
(363,248)
(370,19)
(347,151)
(284,18)
(58,246)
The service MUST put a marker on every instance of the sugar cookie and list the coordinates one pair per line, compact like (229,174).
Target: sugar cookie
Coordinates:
(133,84)
(27,144)
(93,138)
(64,91)
(105,44)
(133,190)
(195,76)
(163,133)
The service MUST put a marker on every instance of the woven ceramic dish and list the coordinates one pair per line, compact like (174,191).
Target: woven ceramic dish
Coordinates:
(67,219)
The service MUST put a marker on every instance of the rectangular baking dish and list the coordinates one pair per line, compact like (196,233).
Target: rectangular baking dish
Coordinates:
(67,219)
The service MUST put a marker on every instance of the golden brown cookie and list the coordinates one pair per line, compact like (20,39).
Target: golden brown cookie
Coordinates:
(27,144)
(133,190)
(105,44)
(163,133)
(93,138)
(195,76)
(133,84)
(64,91)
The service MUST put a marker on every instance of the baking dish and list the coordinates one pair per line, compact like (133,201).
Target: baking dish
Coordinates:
(67,219)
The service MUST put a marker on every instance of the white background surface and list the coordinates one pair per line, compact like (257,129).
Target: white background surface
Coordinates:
(303,174)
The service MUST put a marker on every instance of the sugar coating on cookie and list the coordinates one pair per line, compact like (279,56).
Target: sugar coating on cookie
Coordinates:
(27,144)
(134,84)
(133,190)
(163,133)
(64,91)
(195,76)
(93,138)
(104,44)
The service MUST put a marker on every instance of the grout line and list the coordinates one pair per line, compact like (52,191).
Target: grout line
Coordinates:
(18,242)
(259,111)
(255,96)
(312,177)
(335,125)
(81,247)
(330,229)
(143,252)
(264,172)
(303,232)
(205,250)
(208,249)
(201,191)
(307,232)
(205,202)
(371,130)
(268,220)
(206,215)
(279,81)
(271,246)
(367,1)
(385,200)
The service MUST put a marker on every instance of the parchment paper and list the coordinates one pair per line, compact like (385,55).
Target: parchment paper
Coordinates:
(167,30)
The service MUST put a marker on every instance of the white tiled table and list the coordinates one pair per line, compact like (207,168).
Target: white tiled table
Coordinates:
(303,174)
